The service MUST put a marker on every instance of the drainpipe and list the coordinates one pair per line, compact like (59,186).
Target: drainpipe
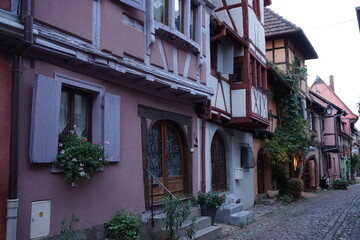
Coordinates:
(13,201)
(203,159)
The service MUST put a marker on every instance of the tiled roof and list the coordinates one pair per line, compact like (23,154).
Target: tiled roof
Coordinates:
(276,24)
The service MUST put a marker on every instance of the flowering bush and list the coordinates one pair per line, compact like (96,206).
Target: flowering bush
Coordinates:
(79,158)
(211,199)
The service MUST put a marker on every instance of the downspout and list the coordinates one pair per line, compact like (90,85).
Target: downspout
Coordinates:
(203,159)
(13,201)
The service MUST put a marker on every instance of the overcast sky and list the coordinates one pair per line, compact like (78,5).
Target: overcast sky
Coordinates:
(332,28)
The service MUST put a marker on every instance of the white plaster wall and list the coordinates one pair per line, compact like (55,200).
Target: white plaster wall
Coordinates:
(237,189)
(238,103)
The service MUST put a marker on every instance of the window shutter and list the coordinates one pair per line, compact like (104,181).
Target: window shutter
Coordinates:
(45,120)
(138,4)
(112,126)
(220,58)
(228,59)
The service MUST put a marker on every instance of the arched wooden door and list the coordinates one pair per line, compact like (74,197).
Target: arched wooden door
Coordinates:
(261,172)
(310,174)
(165,159)
(218,164)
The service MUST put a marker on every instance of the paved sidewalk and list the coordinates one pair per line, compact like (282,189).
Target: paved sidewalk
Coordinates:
(333,214)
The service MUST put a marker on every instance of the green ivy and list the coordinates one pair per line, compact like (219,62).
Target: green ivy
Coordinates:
(290,136)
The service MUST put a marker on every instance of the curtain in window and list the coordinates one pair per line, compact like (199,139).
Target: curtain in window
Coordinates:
(64,112)
(159,10)
(179,15)
(80,115)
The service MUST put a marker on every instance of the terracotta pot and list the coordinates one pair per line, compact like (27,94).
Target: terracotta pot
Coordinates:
(273,193)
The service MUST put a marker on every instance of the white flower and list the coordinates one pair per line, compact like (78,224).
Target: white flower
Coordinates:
(81,169)
(107,143)
(74,126)
(82,173)
(100,159)
(60,145)
(73,184)
(62,151)
(81,164)
(74,160)
(71,132)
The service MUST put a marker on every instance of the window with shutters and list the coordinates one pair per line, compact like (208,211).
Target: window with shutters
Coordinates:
(63,104)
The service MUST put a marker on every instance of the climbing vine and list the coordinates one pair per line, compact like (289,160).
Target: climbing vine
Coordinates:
(290,136)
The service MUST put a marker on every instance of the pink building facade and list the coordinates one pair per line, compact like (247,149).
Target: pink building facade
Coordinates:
(141,68)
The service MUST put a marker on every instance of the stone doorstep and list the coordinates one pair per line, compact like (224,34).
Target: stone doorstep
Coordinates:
(204,231)
(234,214)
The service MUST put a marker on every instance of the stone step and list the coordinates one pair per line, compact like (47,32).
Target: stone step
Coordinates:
(241,218)
(200,222)
(208,233)
(227,210)
(158,218)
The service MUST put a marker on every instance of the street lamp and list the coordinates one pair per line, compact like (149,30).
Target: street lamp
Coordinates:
(329,109)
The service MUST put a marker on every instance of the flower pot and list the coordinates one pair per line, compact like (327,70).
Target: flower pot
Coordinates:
(273,193)
(209,212)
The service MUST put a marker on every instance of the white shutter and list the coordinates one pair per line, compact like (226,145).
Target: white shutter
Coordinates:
(45,120)
(112,126)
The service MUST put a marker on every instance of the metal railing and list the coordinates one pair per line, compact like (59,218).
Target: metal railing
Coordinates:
(152,177)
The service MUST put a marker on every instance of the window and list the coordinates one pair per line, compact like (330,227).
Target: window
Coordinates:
(161,11)
(75,112)
(225,58)
(193,20)
(238,71)
(246,154)
(64,102)
(179,15)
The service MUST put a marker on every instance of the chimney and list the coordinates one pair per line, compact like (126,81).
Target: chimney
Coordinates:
(332,83)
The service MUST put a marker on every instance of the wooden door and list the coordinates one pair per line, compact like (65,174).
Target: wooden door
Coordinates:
(218,164)
(260,174)
(165,160)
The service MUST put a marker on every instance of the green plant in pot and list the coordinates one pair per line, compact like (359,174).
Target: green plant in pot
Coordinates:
(176,213)
(209,203)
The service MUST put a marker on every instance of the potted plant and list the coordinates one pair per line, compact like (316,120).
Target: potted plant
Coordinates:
(79,158)
(209,203)
(124,225)
(176,213)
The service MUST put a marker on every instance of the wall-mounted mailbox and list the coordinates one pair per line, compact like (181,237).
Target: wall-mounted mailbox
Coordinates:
(238,173)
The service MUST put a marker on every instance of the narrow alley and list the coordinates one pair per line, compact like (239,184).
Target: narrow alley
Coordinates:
(331,214)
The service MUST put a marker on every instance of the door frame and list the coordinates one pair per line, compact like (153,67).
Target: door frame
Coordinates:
(150,116)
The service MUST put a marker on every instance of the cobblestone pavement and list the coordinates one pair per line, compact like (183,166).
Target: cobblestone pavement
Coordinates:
(324,215)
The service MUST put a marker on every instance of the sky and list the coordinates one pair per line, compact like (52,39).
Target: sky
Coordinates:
(332,28)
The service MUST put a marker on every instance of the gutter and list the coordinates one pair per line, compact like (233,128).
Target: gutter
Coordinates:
(13,201)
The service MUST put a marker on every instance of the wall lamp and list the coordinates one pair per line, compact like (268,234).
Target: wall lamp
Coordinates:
(329,109)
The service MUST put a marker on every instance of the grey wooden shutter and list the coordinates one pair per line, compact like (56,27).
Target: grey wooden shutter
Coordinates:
(112,126)
(45,120)
(138,4)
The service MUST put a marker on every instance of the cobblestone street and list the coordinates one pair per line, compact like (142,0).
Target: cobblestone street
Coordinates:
(331,214)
